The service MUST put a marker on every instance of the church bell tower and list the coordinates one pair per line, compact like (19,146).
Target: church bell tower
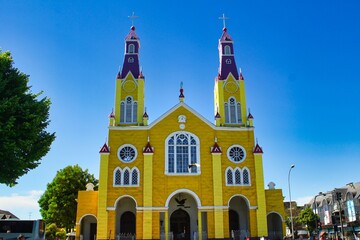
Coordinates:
(129,96)
(229,89)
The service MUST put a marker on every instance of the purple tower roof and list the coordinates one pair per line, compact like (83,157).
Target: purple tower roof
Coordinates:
(131,57)
(226,55)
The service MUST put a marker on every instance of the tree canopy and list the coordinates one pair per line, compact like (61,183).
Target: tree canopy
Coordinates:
(23,122)
(58,203)
(308,218)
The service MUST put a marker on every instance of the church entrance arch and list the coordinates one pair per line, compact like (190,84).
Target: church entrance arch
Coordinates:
(88,227)
(275,230)
(239,217)
(180,224)
(183,213)
(125,223)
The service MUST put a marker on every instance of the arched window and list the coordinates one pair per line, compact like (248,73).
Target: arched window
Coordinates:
(117,177)
(237,177)
(227,50)
(131,48)
(182,150)
(126,177)
(232,111)
(246,177)
(229,177)
(228,61)
(128,111)
(134,177)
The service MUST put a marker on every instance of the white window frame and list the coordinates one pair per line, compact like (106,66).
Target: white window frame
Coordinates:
(232,111)
(242,177)
(197,167)
(127,145)
(131,48)
(128,110)
(227,50)
(228,153)
(122,171)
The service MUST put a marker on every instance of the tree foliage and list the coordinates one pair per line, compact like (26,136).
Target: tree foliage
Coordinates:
(53,232)
(23,122)
(58,203)
(308,218)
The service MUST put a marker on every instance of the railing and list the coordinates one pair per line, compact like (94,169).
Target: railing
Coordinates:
(125,236)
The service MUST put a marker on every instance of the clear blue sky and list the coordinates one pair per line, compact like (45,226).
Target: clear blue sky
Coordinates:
(300,60)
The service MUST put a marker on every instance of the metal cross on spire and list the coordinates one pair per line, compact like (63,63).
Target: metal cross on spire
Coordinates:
(224,19)
(132,17)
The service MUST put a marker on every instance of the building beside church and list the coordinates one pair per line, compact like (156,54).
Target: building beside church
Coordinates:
(181,176)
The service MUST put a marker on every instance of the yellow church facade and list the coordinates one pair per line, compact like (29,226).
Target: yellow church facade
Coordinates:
(181,176)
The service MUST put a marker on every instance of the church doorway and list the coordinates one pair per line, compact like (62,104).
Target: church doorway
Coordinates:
(239,223)
(125,217)
(274,226)
(180,224)
(127,223)
(233,220)
(88,227)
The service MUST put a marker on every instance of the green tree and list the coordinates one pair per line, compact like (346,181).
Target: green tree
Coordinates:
(58,203)
(53,232)
(23,122)
(308,218)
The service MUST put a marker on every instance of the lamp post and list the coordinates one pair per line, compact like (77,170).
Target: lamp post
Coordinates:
(291,218)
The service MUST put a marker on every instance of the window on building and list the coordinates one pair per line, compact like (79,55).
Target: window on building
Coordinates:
(126,177)
(246,177)
(227,50)
(117,177)
(131,48)
(236,153)
(182,149)
(128,111)
(229,177)
(232,111)
(237,177)
(134,177)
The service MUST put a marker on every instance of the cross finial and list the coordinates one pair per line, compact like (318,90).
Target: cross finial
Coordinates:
(224,19)
(132,17)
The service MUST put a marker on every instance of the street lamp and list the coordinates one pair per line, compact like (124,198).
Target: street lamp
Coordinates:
(291,218)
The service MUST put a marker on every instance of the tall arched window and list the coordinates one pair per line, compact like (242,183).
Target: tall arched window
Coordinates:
(182,150)
(131,48)
(126,177)
(117,177)
(232,111)
(229,177)
(246,177)
(134,177)
(237,177)
(128,111)
(227,50)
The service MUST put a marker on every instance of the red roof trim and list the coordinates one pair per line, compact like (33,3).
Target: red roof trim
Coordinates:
(148,148)
(104,149)
(258,149)
(216,149)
